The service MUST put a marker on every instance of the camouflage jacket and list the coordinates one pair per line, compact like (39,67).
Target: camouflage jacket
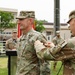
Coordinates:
(46,52)
(11,44)
(71,44)
(28,61)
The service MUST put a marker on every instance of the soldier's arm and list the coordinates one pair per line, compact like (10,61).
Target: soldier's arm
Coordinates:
(44,52)
(7,45)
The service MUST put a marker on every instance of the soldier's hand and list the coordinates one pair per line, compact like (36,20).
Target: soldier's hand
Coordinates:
(49,44)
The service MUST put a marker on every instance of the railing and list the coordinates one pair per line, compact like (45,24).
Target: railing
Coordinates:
(2,47)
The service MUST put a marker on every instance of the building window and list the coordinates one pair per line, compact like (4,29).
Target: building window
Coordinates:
(48,35)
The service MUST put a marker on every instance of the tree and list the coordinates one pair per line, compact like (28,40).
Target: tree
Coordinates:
(39,25)
(6,20)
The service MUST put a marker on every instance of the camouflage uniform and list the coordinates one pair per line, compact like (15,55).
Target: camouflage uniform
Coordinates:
(12,44)
(69,62)
(69,65)
(28,62)
(44,52)
(44,67)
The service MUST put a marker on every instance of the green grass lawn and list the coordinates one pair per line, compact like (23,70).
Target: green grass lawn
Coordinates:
(3,66)
(4,70)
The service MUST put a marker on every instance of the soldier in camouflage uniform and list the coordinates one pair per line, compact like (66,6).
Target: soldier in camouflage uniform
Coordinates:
(44,52)
(32,47)
(11,44)
(71,44)
(68,62)
(56,40)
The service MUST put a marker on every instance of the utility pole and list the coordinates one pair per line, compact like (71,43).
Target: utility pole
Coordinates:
(56,16)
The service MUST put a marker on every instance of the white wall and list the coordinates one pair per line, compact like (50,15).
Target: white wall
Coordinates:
(65,34)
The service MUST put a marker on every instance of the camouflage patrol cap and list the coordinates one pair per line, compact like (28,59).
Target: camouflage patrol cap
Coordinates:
(14,31)
(57,32)
(26,14)
(71,16)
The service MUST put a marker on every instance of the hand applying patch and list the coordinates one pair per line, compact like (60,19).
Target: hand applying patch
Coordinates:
(49,44)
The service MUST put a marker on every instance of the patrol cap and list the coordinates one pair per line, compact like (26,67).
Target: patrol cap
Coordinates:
(14,31)
(57,32)
(26,14)
(71,16)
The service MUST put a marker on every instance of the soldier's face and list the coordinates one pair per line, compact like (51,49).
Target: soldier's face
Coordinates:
(58,35)
(72,26)
(14,34)
(23,23)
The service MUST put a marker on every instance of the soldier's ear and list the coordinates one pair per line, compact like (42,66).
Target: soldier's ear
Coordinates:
(31,20)
(74,19)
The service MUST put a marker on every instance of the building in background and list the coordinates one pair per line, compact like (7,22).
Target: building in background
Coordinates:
(64,31)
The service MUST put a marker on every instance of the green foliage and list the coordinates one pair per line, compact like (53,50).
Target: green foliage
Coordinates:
(39,26)
(3,65)
(12,25)
(3,71)
(6,20)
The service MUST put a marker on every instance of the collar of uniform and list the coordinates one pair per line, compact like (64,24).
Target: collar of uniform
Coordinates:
(23,37)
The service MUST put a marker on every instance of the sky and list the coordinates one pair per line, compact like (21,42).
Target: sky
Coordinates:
(44,9)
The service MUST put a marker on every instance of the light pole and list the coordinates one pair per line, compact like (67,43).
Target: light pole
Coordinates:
(56,16)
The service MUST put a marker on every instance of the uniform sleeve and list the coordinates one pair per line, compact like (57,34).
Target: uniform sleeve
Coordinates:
(44,52)
(54,41)
(7,45)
